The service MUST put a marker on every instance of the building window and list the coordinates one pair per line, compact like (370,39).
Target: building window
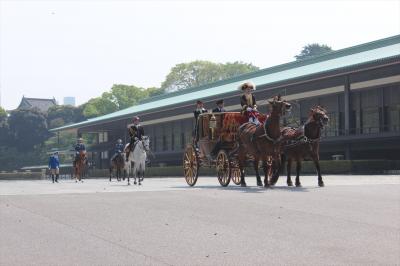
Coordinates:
(182,140)
(104,155)
(164,143)
(103,137)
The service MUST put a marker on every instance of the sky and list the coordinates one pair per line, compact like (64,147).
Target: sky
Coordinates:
(81,48)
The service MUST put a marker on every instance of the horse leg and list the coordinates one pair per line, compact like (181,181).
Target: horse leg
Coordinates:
(110,172)
(298,168)
(316,163)
(288,171)
(134,173)
(266,171)
(256,162)
(241,158)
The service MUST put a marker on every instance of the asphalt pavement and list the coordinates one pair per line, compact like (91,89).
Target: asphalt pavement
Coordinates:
(353,220)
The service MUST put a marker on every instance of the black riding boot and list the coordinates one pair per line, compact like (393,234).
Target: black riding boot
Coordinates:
(52,177)
(57,178)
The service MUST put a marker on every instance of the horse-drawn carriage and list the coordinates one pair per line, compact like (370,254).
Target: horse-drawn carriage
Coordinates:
(215,145)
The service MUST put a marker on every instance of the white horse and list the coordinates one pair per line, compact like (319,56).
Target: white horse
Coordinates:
(137,160)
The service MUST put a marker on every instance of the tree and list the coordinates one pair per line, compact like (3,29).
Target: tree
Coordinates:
(153,91)
(125,96)
(3,114)
(119,97)
(4,129)
(60,115)
(313,49)
(99,106)
(198,73)
(28,128)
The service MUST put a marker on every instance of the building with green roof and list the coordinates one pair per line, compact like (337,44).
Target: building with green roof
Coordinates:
(359,86)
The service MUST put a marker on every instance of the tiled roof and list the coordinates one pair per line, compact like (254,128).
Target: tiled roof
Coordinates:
(42,104)
(344,58)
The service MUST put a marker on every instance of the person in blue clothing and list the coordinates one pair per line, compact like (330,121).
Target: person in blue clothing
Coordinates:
(119,148)
(54,167)
(78,148)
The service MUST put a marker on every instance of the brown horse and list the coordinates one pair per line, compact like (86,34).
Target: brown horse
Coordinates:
(79,166)
(117,163)
(262,142)
(303,143)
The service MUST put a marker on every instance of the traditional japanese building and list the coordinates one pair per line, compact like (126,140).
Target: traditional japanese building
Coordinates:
(41,104)
(359,86)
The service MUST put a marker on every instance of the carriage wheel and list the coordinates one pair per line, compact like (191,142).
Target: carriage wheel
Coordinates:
(235,176)
(223,168)
(190,166)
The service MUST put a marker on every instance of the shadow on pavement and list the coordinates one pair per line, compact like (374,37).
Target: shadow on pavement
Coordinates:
(249,189)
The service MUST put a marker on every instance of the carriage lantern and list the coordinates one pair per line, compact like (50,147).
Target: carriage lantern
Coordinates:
(213,125)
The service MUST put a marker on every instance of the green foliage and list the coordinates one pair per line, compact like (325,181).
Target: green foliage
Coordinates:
(125,96)
(313,49)
(60,115)
(198,73)
(119,97)
(3,114)
(12,159)
(99,106)
(153,91)
(27,128)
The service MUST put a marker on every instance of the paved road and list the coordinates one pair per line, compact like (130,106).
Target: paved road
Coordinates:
(353,220)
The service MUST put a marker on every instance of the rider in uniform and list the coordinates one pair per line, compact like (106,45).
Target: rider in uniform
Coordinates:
(136,132)
(78,148)
(119,148)
(248,102)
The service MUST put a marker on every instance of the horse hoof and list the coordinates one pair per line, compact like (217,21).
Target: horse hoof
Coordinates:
(129,184)
(298,185)
(272,182)
(321,184)
(259,184)
(243,184)
(134,183)
(290,184)
(267,186)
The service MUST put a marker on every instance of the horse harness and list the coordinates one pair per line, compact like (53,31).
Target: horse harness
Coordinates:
(302,139)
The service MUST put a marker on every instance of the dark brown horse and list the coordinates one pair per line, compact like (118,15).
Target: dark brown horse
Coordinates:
(303,143)
(117,164)
(79,166)
(262,142)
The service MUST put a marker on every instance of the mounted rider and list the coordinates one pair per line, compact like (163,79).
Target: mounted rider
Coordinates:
(78,148)
(248,102)
(119,148)
(136,132)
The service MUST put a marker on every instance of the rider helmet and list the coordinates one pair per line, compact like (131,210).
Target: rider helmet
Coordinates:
(119,140)
(80,140)
(135,118)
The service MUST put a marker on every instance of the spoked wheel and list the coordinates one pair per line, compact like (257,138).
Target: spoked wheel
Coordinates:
(190,166)
(235,176)
(223,168)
